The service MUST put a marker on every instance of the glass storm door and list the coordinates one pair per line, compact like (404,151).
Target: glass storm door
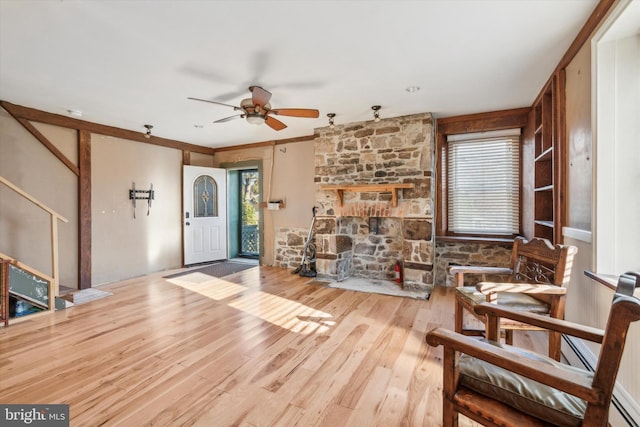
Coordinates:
(249,213)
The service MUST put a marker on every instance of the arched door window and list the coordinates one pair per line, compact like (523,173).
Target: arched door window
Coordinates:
(205,197)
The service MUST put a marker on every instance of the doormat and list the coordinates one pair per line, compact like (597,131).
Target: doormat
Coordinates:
(219,269)
(85,296)
(374,286)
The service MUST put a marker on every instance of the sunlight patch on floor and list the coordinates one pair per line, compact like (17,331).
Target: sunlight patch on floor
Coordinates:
(274,309)
(285,313)
(212,287)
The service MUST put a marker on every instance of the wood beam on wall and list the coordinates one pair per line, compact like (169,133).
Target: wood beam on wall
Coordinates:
(20,112)
(596,17)
(266,143)
(84,209)
(593,22)
(494,120)
(43,140)
(561,163)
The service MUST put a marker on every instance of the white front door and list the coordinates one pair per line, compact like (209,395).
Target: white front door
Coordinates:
(205,214)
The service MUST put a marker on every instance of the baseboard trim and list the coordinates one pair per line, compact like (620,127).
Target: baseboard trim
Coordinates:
(580,355)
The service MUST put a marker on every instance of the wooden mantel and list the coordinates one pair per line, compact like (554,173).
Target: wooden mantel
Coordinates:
(367,188)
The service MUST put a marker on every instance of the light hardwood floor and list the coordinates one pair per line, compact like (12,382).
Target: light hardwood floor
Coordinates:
(258,348)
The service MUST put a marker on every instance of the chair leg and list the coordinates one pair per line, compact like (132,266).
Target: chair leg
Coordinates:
(449,386)
(508,336)
(458,312)
(555,345)
(449,414)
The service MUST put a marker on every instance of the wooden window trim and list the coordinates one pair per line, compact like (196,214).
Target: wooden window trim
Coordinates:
(481,122)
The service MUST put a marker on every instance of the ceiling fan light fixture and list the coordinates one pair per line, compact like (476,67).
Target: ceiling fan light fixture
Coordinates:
(376,113)
(255,118)
(246,103)
(331,123)
(257,110)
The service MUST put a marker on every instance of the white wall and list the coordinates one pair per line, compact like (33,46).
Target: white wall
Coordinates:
(25,229)
(124,247)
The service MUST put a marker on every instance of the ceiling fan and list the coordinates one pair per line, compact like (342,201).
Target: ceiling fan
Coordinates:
(257,110)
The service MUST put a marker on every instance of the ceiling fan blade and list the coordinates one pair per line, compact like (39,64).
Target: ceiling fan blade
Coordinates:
(214,102)
(259,95)
(228,96)
(226,119)
(296,112)
(274,124)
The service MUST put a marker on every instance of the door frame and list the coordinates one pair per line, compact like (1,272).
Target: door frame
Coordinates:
(232,232)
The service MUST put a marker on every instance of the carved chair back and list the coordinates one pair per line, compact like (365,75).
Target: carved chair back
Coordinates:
(537,261)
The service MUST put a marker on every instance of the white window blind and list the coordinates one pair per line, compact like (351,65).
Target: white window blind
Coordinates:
(483,185)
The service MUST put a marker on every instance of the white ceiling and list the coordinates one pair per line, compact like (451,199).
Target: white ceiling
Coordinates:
(130,63)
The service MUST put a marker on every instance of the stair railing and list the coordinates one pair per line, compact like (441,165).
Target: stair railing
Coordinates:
(54,279)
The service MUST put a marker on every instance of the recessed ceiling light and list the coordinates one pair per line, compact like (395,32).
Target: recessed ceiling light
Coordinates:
(412,89)
(75,113)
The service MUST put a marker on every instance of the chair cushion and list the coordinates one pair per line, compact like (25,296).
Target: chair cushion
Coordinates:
(524,394)
(511,300)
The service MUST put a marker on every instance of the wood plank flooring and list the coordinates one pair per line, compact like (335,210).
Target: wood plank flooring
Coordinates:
(261,347)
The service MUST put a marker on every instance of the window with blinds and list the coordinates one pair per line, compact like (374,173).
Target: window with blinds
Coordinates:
(483,183)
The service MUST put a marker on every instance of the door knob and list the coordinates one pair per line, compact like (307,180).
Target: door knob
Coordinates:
(187,223)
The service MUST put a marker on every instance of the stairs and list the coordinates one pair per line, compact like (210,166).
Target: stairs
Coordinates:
(26,289)
(24,292)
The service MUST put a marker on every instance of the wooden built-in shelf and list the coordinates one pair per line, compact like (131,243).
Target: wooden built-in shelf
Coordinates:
(546,155)
(367,188)
(545,188)
(547,164)
(544,223)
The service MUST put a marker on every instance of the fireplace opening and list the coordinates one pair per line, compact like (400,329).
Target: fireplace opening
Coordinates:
(376,245)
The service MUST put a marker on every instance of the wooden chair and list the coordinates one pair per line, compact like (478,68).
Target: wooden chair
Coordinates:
(535,282)
(500,385)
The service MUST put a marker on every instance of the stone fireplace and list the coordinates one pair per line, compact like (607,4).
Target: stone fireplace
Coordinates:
(374,193)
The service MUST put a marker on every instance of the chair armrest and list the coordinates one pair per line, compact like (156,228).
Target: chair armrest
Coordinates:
(553,376)
(477,269)
(525,288)
(557,325)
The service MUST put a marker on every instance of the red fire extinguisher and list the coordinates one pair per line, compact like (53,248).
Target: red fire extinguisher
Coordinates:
(398,272)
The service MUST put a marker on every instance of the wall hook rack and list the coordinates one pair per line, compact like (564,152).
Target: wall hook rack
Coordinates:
(147,195)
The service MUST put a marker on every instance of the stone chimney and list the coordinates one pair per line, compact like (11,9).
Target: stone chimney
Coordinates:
(362,233)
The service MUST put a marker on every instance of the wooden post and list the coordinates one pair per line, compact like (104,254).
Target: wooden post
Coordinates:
(84,209)
(4,290)
(55,269)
